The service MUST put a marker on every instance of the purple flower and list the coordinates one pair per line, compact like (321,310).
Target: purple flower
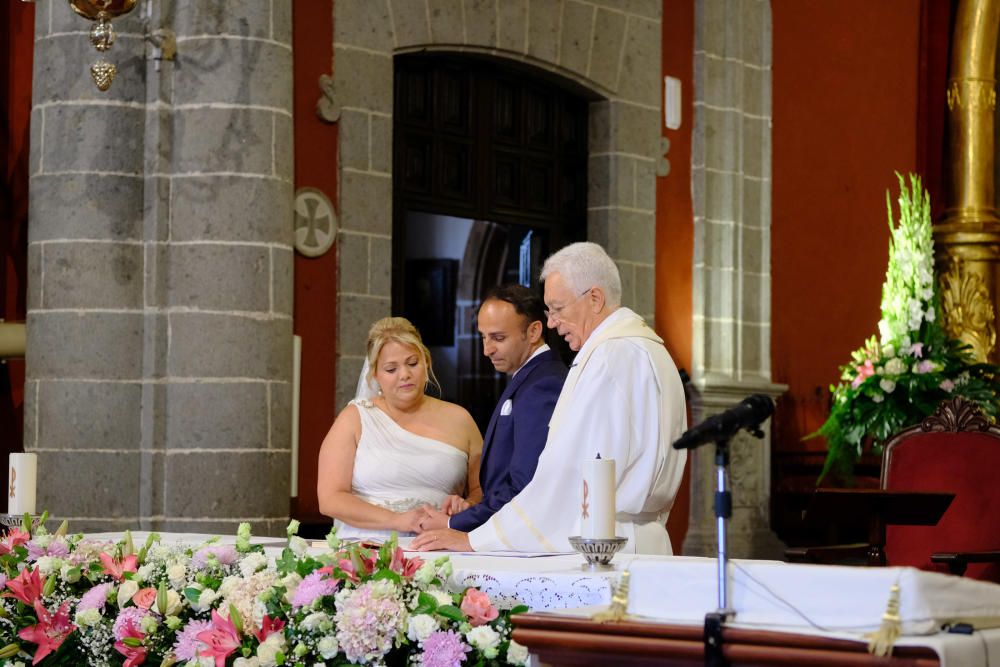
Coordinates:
(3,580)
(188,646)
(368,622)
(444,649)
(57,547)
(126,615)
(224,553)
(947,385)
(314,586)
(925,366)
(917,349)
(95,598)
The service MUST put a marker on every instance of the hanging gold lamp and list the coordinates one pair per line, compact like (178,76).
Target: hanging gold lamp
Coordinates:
(102,34)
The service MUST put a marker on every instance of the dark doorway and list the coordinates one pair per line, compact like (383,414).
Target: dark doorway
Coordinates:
(490,176)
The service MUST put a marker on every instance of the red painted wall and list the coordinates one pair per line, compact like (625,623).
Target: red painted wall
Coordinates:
(845,81)
(17,30)
(315,279)
(675,221)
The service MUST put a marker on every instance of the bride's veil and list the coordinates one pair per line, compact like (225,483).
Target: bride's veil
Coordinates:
(367,389)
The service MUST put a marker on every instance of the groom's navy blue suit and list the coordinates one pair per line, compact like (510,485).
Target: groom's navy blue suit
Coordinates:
(515,437)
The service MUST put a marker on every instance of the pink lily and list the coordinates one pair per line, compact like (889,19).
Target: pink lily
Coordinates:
(134,655)
(117,568)
(402,565)
(221,641)
(50,631)
(12,539)
(268,627)
(26,587)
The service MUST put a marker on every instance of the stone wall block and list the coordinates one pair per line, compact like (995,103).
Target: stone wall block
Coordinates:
(380,267)
(410,20)
(62,68)
(256,209)
(363,23)
(544,23)
(756,91)
(35,131)
(750,249)
(30,410)
(158,158)
(354,319)
(645,291)
(645,185)
(638,130)
(481,22)
(719,245)
(155,337)
(606,48)
(281,415)
(263,484)
(366,202)
(757,147)
(217,277)
(98,345)
(754,298)
(156,208)
(720,82)
(710,18)
(599,229)
(348,371)
(242,347)
(720,196)
(447,26)
(756,33)
(723,151)
(511,28)
(719,349)
(627,272)
(639,78)
(752,350)
(352,251)
(233,71)
(109,489)
(95,206)
(242,18)
(34,282)
(650,9)
(599,186)
(283,280)
(363,80)
(93,138)
(381,144)
(217,415)
(354,145)
(213,140)
(633,233)
(575,42)
(284,148)
(92,275)
(720,296)
(599,130)
(89,415)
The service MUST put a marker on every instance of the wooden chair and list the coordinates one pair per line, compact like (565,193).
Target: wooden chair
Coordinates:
(955,450)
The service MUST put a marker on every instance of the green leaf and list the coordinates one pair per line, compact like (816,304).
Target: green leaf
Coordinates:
(451,612)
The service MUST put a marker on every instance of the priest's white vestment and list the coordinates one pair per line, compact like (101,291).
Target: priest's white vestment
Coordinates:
(623,399)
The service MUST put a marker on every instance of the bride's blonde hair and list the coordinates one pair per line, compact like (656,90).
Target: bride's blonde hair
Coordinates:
(397,330)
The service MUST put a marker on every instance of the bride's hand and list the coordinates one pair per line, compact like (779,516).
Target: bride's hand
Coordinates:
(454,504)
(409,522)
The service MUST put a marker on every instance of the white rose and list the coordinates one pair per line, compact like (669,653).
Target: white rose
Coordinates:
(49,564)
(517,654)
(143,573)
(127,589)
(228,584)
(205,600)
(251,563)
(888,386)
(177,574)
(314,621)
(174,603)
(895,366)
(421,627)
(328,647)
(88,617)
(441,596)
(878,398)
(267,653)
(246,662)
(484,637)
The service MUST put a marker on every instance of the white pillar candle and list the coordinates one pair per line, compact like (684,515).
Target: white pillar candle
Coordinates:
(21,476)
(598,509)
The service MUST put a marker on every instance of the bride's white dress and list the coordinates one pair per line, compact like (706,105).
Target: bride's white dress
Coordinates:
(399,470)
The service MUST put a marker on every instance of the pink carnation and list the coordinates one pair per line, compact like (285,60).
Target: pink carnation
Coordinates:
(314,586)
(57,547)
(95,598)
(188,646)
(224,553)
(444,649)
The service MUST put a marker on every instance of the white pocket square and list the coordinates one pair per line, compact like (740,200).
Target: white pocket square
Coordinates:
(507,406)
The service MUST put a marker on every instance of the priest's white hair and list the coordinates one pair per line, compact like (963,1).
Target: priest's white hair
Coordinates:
(584,265)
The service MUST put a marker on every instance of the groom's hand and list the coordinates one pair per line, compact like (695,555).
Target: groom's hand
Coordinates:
(453,504)
(432,519)
(446,539)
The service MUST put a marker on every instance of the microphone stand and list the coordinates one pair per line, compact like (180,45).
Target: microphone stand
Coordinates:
(723,512)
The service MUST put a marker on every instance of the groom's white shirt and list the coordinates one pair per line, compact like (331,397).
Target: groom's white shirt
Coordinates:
(623,398)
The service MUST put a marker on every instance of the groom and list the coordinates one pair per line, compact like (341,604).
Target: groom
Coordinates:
(510,323)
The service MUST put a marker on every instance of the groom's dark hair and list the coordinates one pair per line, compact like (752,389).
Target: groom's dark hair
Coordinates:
(526,302)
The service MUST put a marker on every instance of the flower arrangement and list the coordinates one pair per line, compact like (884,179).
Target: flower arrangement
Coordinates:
(900,378)
(70,600)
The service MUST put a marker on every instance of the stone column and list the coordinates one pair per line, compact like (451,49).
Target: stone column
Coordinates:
(160,264)
(731,172)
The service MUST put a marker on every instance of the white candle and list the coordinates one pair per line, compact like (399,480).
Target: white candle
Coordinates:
(21,475)
(598,508)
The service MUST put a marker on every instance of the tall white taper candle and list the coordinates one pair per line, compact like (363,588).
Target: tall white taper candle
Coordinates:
(598,509)
(22,473)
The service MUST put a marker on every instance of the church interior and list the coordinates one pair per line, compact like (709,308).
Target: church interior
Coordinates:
(202,216)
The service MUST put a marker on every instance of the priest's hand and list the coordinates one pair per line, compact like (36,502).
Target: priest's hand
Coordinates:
(454,504)
(445,539)
(433,519)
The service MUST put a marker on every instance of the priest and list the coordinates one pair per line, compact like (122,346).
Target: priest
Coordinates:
(622,400)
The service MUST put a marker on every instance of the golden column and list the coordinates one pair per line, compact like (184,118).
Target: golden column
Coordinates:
(967,240)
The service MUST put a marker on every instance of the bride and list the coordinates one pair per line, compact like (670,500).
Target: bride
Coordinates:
(394,448)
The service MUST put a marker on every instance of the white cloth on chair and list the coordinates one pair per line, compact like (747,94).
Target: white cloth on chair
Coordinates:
(399,470)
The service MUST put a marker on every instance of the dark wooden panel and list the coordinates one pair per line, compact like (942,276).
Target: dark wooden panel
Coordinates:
(413,169)
(453,98)
(454,169)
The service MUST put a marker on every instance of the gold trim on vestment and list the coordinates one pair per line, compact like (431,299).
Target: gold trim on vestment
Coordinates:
(534,529)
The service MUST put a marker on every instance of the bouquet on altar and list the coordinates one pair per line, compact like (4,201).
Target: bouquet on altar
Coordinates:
(899,378)
(70,600)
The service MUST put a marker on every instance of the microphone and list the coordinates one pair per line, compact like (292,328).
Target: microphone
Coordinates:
(750,413)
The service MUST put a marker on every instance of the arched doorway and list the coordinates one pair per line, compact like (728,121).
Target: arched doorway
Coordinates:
(489,164)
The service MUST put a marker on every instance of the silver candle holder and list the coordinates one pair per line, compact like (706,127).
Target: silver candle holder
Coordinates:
(598,551)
